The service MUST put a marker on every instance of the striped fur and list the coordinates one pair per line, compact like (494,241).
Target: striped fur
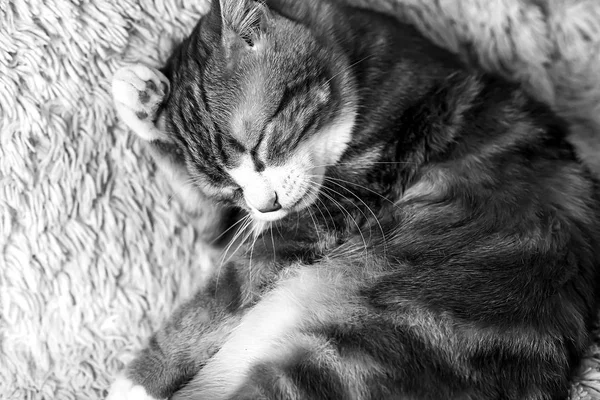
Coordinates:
(443,241)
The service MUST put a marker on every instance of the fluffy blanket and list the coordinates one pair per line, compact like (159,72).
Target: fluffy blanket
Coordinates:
(94,252)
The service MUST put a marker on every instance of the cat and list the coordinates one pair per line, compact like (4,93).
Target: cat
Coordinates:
(407,226)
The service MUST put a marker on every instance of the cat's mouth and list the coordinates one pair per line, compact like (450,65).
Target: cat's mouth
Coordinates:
(277,213)
(270,216)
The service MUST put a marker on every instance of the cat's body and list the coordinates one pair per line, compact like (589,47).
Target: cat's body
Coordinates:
(434,236)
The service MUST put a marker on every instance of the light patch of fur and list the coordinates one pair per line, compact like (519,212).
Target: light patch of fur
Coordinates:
(259,192)
(353,370)
(432,184)
(289,181)
(328,145)
(250,110)
(366,158)
(309,296)
(127,84)
(124,389)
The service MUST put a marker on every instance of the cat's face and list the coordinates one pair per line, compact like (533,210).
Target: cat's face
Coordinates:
(264,113)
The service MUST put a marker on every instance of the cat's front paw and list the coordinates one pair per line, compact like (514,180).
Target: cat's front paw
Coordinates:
(139,92)
(125,389)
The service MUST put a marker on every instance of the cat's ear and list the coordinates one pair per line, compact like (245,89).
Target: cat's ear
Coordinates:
(214,22)
(242,24)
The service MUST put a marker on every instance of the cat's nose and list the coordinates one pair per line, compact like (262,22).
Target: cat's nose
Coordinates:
(261,198)
(271,205)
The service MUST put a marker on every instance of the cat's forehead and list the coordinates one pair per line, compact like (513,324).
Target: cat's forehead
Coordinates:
(259,87)
(248,115)
(257,90)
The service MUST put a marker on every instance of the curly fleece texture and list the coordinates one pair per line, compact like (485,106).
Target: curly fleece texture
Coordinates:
(94,252)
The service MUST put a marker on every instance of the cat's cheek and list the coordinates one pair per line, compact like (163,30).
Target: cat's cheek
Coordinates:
(124,389)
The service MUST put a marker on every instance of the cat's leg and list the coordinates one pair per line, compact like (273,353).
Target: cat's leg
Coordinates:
(275,333)
(313,337)
(176,352)
(139,93)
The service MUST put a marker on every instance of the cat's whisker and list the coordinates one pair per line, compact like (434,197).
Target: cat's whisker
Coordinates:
(373,162)
(345,198)
(329,178)
(325,178)
(313,189)
(240,230)
(343,209)
(350,215)
(273,242)
(370,210)
(322,204)
(355,223)
(305,201)
(228,229)
(250,260)
(247,234)
(349,67)
(241,243)
(311,214)
(297,222)
(321,211)
(278,230)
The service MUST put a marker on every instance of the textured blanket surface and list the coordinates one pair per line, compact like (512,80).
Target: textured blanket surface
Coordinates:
(94,252)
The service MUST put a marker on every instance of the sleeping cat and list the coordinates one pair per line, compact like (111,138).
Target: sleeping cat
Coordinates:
(407,228)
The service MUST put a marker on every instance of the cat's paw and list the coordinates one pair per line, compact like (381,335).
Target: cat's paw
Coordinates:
(138,92)
(125,389)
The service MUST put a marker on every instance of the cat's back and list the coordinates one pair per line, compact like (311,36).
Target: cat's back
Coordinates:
(488,184)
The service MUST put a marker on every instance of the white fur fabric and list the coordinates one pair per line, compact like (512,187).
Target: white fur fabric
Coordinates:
(94,252)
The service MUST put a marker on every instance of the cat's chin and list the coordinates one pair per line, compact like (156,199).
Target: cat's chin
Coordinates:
(269,217)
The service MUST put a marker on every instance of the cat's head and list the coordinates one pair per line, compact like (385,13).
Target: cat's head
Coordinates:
(261,105)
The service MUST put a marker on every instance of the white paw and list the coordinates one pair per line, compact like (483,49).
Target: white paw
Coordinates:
(138,92)
(125,389)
